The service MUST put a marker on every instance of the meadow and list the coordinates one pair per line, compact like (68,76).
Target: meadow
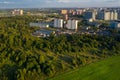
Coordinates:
(107,69)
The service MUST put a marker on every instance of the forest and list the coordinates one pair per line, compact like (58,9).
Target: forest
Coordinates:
(26,57)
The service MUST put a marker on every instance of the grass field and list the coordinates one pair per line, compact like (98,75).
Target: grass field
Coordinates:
(107,69)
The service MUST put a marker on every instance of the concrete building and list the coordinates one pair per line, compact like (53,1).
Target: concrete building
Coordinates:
(107,15)
(72,24)
(111,16)
(79,11)
(119,15)
(90,15)
(17,12)
(69,24)
(115,16)
(64,11)
(115,25)
(66,17)
(40,24)
(71,11)
(55,22)
(43,33)
(58,23)
(100,15)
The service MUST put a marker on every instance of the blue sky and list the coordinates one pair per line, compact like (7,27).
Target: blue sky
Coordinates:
(57,3)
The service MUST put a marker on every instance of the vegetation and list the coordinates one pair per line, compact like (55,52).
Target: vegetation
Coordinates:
(25,57)
(107,69)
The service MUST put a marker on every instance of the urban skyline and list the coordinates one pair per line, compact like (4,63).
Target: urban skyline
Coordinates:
(57,3)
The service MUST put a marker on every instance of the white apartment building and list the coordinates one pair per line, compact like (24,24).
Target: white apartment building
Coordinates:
(115,16)
(107,15)
(72,24)
(58,23)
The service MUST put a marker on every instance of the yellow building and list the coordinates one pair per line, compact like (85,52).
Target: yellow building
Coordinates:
(17,12)
(64,11)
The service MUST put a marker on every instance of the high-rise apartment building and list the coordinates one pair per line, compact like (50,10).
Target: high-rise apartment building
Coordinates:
(100,15)
(118,15)
(90,15)
(115,15)
(107,15)
(58,23)
(72,24)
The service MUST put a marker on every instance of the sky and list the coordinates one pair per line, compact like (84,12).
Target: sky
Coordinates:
(57,3)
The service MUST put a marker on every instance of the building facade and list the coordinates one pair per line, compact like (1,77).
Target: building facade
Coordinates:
(115,25)
(58,23)
(17,12)
(64,11)
(40,24)
(72,24)
(90,15)
(107,15)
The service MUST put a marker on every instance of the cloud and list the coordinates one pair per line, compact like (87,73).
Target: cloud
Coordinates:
(6,2)
(70,1)
(64,1)
(57,3)
(112,1)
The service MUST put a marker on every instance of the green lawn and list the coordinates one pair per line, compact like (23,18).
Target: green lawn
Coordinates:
(107,69)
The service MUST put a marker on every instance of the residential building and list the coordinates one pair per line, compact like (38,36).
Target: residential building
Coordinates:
(79,12)
(66,17)
(58,23)
(107,15)
(17,12)
(119,15)
(43,33)
(115,25)
(72,24)
(64,11)
(90,15)
(100,15)
(115,15)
